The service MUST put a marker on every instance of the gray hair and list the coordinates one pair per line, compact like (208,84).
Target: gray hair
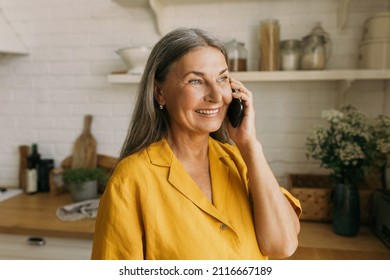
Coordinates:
(149,123)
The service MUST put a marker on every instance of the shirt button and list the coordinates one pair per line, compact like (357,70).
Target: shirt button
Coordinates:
(222,227)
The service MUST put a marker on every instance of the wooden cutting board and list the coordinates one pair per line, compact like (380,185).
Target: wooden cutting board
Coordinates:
(84,153)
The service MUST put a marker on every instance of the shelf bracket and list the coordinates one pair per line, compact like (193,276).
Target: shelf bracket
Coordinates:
(158,9)
(344,86)
(342,14)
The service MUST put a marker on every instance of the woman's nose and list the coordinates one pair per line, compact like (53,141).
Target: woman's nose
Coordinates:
(214,94)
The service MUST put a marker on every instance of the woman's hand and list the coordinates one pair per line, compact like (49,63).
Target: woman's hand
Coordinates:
(246,131)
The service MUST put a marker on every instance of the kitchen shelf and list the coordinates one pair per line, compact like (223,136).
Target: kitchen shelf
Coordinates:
(345,78)
(158,8)
(280,76)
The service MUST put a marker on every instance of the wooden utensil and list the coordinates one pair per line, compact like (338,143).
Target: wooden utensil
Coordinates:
(84,150)
(23,153)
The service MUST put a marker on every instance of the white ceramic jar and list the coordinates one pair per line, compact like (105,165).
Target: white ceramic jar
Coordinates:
(377,27)
(374,54)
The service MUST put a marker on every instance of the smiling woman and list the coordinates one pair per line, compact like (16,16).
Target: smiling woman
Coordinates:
(185,173)
(202,78)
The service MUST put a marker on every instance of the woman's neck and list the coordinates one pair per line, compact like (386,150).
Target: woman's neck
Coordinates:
(188,147)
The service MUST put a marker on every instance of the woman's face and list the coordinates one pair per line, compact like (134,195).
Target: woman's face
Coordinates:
(197,92)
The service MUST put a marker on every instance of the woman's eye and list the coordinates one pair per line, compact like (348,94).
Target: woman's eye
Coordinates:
(196,82)
(223,79)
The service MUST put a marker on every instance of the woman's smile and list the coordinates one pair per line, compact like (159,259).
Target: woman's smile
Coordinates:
(208,112)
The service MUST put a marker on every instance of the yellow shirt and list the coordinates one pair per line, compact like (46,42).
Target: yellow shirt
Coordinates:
(152,209)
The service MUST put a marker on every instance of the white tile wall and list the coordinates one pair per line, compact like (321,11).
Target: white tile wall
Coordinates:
(72,43)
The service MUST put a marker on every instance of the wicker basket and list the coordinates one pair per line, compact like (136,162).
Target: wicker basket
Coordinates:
(314,192)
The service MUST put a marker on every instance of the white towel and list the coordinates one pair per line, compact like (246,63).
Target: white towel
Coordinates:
(8,193)
(86,209)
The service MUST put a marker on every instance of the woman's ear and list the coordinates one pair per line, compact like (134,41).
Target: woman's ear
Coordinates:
(158,94)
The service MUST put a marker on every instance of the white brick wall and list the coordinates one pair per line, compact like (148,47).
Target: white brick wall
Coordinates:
(44,95)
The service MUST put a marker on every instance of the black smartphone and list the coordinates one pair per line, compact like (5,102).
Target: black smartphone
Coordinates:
(235,112)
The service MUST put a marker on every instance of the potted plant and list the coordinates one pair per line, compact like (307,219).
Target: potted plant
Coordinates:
(83,182)
(346,148)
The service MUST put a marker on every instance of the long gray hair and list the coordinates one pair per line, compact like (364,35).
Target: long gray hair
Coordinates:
(149,123)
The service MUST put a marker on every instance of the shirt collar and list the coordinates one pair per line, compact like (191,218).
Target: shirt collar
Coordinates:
(160,153)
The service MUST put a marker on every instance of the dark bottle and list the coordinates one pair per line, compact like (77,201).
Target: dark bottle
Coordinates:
(33,160)
(45,166)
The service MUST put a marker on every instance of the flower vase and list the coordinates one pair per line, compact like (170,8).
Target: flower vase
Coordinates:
(383,172)
(345,209)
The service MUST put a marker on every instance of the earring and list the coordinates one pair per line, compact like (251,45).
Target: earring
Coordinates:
(161,106)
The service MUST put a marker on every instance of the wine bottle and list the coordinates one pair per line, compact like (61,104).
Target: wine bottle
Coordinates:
(33,160)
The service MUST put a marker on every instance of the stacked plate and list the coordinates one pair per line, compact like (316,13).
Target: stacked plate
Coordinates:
(374,50)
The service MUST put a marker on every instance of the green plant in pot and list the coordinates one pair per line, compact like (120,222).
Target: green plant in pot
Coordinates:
(346,148)
(83,182)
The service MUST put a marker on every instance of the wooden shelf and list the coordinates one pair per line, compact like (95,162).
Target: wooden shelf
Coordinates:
(344,78)
(347,76)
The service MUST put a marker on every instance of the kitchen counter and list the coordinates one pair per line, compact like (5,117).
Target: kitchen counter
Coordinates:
(36,215)
(28,215)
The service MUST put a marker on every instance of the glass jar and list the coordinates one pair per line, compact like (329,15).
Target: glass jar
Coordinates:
(237,55)
(316,49)
(269,45)
(290,54)
(313,53)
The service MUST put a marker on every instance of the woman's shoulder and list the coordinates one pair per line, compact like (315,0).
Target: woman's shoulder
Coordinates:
(142,159)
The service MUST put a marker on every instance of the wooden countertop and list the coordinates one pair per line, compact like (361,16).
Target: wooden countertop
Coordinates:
(35,215)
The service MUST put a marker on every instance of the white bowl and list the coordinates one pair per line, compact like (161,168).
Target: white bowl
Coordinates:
(135,58)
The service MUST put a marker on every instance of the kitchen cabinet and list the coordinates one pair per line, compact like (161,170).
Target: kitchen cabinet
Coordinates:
(16,247)
(158,7)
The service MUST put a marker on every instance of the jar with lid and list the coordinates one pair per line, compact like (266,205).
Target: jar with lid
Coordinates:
(313,53)
(290,54)
(237,55)
(316,49)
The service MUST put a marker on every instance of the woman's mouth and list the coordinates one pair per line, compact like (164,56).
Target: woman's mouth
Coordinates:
(207,112)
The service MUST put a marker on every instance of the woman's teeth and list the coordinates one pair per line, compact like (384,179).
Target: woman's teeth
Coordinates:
(207,112)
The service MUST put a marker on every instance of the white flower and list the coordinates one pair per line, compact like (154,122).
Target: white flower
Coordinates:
(345,146)
(332,115)
(349,153)
(383,146)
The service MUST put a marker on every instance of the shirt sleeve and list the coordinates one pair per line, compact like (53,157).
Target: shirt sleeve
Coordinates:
(296,205)
(118,230)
